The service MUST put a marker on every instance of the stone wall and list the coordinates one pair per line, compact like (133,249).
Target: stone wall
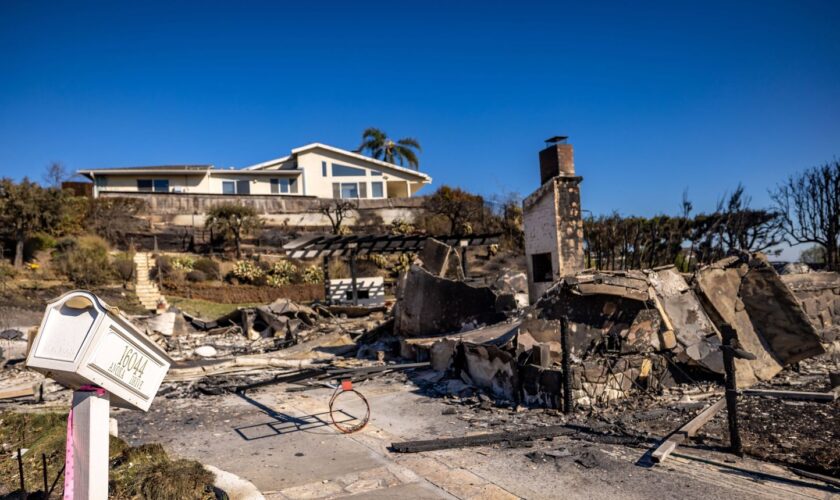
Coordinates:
(188,209)
(819,294)
(247,294)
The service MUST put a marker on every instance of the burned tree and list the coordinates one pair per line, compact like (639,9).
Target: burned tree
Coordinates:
(747,229)
(114,218)
(54,174)
(233,222)
(457,206)
(337,211)
(809,204)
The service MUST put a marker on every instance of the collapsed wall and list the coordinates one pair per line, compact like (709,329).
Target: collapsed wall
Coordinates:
(746,293)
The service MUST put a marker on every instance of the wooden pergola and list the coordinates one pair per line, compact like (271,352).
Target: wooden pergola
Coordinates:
(351,246)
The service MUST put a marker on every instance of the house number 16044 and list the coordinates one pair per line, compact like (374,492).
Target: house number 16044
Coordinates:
(132,363)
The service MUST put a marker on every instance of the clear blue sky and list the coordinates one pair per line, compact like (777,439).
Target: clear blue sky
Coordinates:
(656,96)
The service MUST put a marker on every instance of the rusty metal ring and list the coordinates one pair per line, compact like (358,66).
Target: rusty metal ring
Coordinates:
(355,428)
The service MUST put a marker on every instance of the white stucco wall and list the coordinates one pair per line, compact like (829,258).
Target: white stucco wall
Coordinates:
(259,184)
(539,223)
(311,162)
(185,183)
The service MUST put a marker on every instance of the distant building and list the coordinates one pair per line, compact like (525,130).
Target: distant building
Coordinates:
(315,170)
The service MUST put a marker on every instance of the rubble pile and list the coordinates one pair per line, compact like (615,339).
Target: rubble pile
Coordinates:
(627,331)
(819,294)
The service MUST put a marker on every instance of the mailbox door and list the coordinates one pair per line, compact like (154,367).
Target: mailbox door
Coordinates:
(123,362)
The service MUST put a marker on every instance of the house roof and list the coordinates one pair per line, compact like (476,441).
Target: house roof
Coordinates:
(154,169)
(317,145)
(255,169)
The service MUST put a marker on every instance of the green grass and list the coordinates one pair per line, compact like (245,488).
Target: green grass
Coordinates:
(205,308)
(142,472)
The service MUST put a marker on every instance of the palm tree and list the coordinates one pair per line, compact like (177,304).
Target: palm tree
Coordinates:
(377,144)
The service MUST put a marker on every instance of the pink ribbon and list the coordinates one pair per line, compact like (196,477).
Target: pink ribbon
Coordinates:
(68,449)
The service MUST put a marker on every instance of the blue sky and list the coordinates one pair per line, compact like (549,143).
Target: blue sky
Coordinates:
(656,96)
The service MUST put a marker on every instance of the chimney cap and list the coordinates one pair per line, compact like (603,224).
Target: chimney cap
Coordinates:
(557,139)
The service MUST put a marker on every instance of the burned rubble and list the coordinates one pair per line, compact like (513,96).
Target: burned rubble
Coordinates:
(627,330)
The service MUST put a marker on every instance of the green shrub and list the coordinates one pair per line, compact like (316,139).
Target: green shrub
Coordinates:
(276,280)
(284,270)
(163,268)
(209,267)
(246,271)
(36,243)
(84,260)
(377,258)
(196,276)
(400,226)
(313,274)
(183,263)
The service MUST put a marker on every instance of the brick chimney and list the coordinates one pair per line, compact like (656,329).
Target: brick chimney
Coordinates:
(551,221)
(558,158)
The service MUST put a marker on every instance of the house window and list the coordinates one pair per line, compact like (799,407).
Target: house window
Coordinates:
(156,185)
(161,185)
(279,186)
(228,187)
(101,181)
(376,190)
(349,190)
(375,172)
(283,186)
(324,168)
(345,171)
(243,186)
(541,265)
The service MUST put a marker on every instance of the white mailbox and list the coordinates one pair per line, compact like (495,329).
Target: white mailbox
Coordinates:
(83,341)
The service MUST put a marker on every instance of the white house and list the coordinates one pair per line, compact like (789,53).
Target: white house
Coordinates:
(315,170)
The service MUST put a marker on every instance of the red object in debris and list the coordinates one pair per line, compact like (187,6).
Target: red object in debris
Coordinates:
(346,385)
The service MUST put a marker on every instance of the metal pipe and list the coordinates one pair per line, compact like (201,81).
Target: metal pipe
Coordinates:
(20,471)
(44,470)
(568,403)
(326,279)
(731,389)
(353,278)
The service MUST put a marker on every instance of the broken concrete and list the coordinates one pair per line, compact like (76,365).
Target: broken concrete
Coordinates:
(515,284)
(697,339)
(746,293)
(819,295)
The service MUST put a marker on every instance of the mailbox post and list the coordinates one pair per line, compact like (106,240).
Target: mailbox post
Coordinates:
(85,344)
